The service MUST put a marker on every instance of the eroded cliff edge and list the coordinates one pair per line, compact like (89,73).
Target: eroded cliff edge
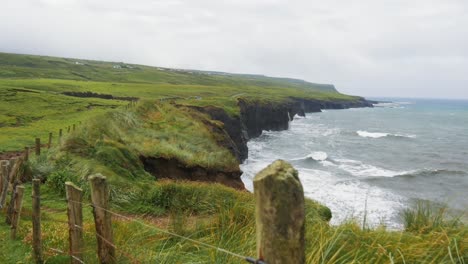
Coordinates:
(254,117)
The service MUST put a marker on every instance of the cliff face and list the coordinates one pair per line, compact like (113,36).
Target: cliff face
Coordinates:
(257,116)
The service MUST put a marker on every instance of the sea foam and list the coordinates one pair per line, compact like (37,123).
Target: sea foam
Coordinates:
(366,134)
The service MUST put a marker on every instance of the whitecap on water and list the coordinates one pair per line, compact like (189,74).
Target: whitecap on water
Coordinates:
(318,156)
(359,169)
(366,134)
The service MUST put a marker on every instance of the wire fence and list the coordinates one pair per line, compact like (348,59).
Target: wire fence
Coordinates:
(134,220)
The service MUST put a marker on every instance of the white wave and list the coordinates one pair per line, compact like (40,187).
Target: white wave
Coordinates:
(367,134)
(296,116)
(359,169)
(317,156)
(392,104)
(371,135)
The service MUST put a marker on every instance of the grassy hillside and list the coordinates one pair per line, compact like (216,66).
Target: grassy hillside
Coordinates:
(33,103)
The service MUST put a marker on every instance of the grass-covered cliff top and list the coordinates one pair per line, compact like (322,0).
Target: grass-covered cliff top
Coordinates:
(33,103)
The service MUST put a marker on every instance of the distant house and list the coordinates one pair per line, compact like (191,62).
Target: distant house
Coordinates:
(117,67)
(79,63)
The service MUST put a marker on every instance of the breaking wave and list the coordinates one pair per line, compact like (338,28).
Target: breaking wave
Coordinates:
(360,169)
(317,156)
(367,134)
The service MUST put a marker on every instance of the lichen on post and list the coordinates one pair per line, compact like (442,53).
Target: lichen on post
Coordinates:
(280,214)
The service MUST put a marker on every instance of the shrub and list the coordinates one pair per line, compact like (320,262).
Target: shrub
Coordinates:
(56,180)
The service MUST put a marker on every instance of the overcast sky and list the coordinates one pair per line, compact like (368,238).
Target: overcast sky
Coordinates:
(406,48)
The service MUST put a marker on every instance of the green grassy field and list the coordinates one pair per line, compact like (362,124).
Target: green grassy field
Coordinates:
(110,137)
(32,103)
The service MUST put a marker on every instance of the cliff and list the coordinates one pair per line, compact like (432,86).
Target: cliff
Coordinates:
(256,116)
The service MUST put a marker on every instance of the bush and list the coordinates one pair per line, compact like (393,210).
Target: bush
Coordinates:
(56,180)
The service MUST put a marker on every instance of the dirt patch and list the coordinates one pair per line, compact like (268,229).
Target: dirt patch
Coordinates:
(163,168)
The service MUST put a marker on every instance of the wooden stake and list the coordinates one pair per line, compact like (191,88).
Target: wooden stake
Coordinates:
(279,214)
(50,141)
(102,219)
(36,221)
(38,146)
(68,129)
(14,180)
(74,126)
(16,165)
(26,153)
(5,181)
(75,221)
(60,136)
(18,204)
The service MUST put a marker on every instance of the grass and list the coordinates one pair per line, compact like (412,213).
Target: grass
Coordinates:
(221,217)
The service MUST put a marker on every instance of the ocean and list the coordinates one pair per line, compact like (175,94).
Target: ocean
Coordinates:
(374,161)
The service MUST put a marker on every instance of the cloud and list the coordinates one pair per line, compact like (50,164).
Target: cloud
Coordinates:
(385,47)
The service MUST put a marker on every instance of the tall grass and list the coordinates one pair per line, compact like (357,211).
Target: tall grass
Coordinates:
(425,217)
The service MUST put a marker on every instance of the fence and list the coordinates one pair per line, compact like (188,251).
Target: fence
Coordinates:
(279,213)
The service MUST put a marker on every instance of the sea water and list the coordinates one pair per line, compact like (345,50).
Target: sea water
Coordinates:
(374,162)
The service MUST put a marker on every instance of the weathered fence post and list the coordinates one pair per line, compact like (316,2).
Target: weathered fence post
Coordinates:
(50,140)
(102,219)
(74,126)
(18,204)
(38,146)
(36,221)
(60,136)
(68,130)
(75,221)
(279,214)
(5,182)
(26,153)
(15,165)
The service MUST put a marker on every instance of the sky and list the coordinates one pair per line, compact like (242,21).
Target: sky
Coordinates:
(402,48)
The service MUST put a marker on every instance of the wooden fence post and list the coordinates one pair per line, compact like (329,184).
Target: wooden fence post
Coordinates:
(74,126)
(18,204)
(26,153)
(5,182)
(60,136)
(36,221)
(68,129)
(50,140)
(16,164)
(279,214)
(38,146)
(75,221)
(102,219)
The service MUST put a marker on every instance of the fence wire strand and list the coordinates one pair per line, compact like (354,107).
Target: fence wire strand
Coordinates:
(66,254)
(172,234)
